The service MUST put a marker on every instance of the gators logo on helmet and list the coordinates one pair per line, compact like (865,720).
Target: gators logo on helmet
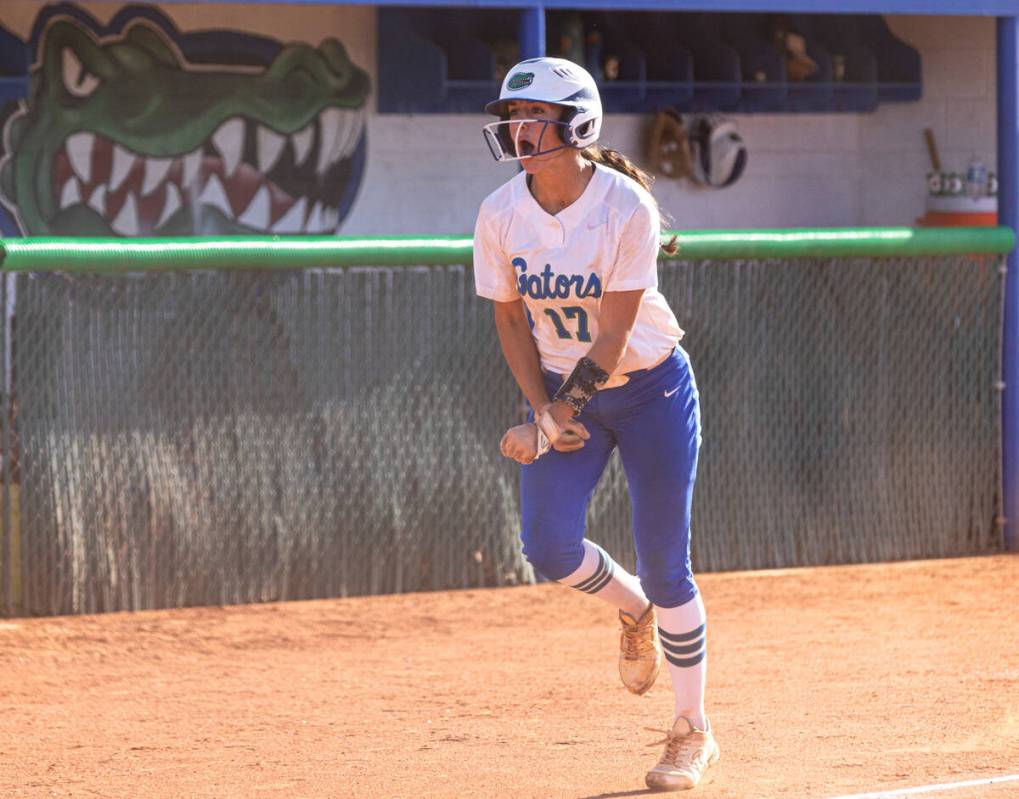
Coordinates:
(521,80)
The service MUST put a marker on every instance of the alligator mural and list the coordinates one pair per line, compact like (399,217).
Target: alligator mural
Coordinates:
(138,129)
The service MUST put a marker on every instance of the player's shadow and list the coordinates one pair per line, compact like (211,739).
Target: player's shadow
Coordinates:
(619,794)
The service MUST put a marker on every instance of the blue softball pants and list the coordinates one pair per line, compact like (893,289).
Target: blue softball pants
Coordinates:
(654,420)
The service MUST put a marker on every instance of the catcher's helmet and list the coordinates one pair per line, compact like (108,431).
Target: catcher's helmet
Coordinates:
(547,80)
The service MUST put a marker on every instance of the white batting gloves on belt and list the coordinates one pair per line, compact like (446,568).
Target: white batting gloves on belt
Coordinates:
(525,443)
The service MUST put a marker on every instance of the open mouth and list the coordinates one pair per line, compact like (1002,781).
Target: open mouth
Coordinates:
(259,179)
(525,147)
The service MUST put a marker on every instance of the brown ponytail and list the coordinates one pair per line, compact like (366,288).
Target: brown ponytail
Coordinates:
(619,162)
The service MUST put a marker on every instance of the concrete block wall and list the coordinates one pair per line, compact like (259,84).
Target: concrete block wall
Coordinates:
(958,103)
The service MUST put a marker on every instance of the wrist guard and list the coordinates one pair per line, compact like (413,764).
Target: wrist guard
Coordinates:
(543,445)
(581,385)
(548,431)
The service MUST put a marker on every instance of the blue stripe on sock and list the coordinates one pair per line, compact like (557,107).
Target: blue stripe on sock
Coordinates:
(684,664)
(594,589)
(682,650)
(682,638)
(594,578)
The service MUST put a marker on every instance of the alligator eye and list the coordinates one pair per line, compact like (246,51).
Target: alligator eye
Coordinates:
(77,80)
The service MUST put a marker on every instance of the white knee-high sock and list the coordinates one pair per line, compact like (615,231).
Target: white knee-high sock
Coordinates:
(683,631)
(601,576)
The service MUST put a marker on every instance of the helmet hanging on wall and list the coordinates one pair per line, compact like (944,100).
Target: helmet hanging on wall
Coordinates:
(547,80)
(718,152)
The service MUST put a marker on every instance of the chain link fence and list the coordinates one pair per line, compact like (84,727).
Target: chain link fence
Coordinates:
(183,438)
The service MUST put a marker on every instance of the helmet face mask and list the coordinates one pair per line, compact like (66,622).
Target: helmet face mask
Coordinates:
(506,143)
(555,81)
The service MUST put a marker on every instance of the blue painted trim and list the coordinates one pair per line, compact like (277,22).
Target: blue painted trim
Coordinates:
(13,88)
(532,33)
(1008,215)
(968,8)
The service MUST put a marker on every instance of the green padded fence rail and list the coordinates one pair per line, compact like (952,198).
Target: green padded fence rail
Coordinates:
(273,252)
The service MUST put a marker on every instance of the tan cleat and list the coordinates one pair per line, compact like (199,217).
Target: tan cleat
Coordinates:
(688,753)
(640,652)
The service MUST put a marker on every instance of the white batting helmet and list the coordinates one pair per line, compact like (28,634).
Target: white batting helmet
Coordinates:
(547,80)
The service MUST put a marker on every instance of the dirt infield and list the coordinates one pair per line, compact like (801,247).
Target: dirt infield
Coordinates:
(822,682)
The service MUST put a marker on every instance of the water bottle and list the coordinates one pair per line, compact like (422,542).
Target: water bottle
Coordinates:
(976,178)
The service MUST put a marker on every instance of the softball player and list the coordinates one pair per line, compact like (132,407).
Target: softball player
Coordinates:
(567,250)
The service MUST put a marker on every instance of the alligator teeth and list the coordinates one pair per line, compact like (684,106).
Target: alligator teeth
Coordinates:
(126,223)
(341,136)
(213,194)
(192,165)
(360,128)
(70,194)
(229,140)
(256,215)
(329,123)
(79,152)
(122,163)
(349,120)
(347,136)
(352,127)
(291,221)
(330,219)
(314,223)
(355,137)
(171,204)
(302,144)
(155,172)
(270,145)
(97,201)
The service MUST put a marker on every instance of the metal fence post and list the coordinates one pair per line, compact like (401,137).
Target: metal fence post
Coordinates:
(1008,215)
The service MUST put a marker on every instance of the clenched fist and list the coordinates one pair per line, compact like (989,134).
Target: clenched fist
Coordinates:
(523,443)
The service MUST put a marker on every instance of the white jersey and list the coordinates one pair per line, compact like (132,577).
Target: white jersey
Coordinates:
(562,265)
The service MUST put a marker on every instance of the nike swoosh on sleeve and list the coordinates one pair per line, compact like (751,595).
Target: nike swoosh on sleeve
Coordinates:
(670,393)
